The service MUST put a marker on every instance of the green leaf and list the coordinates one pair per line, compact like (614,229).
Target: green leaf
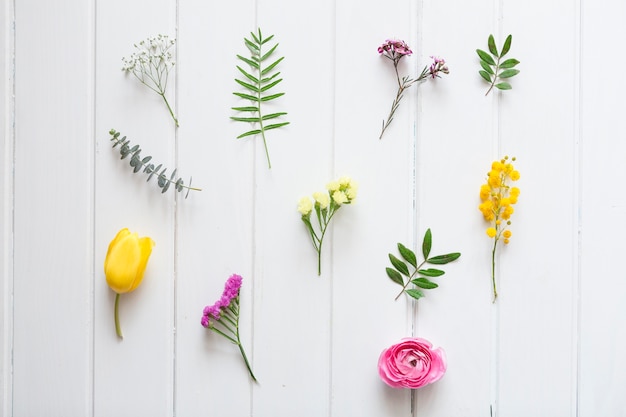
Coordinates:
(251,45)
(248,86)
(271,66)
(268,53)
(249,133)
(417,294)
(246,119)
(246,96)
(508,73)
(486,67)
(257,40)
(273,115)
(395,276)
(267,39)
(407,254)
(485,57)
(250,62)
(268,86)
(399,265)
(507,45)
(248,75)
(509,63)
(492,45)
(424,283)
(276,125)
(431,272)
(485,75)
(247,108)
(272,97)
(153,171)
(427,243)
(444,259)
(503,86)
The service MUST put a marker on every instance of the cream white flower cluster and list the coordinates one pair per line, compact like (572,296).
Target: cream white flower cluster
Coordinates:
(325,204)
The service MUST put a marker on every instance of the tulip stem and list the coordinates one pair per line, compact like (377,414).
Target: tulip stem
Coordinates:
(118,329)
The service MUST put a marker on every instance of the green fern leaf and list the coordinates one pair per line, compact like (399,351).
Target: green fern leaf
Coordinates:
(259,79)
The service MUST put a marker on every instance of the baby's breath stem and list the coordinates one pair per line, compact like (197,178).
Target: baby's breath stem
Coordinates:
(169,108)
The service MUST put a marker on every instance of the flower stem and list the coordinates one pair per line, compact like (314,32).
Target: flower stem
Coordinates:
(169,108)
(493,270)
(118,329)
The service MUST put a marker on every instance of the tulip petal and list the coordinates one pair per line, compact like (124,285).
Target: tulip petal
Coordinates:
(126,261)
(145,250)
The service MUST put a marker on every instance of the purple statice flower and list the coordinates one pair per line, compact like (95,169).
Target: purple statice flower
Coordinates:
(231,292)
(394,49)
(438,65)
(223,316)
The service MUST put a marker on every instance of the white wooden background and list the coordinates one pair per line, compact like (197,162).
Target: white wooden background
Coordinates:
(553,345)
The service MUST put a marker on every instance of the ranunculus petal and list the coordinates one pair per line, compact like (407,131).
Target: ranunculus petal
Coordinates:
(412,363)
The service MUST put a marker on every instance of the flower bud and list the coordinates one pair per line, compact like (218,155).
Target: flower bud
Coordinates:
(126,261)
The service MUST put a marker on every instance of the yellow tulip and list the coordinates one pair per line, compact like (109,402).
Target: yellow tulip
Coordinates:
(125,264)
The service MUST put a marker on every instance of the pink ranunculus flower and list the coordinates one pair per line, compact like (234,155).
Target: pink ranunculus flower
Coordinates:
(411,363)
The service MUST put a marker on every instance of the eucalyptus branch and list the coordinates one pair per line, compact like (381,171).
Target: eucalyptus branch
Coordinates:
(137,163)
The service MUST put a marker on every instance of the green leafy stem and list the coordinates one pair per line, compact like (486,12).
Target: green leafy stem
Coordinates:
(258,86)
(137,163)
(494,70)
(229,320)
(420,276)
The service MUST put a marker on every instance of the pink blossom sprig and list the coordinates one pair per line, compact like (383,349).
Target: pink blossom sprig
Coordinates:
(225,313)
(395,50)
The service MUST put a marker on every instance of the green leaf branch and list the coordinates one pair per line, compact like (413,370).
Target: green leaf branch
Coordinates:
(258,82)
(417,274)
(138,163)
(494,69)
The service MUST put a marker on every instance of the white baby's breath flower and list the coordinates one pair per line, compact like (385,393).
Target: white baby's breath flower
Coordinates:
(151,63)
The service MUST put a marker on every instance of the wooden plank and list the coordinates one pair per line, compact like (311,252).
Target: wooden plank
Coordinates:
(53,209)
(602,338)
(134,376)
(215,227)
(454,147)
(292,313)
(365,317)
(538,269)
(7,52)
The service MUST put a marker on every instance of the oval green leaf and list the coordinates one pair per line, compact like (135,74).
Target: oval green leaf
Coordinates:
(427,243)
(444,259)
(503,86)
(508,73)
(485,57)
(407,254)
(486,67)
(399,265)
(492,45)
(424,283)
(417,294)
(509,63)
(485,75)
(507,45)
(395,276)
(431,272)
